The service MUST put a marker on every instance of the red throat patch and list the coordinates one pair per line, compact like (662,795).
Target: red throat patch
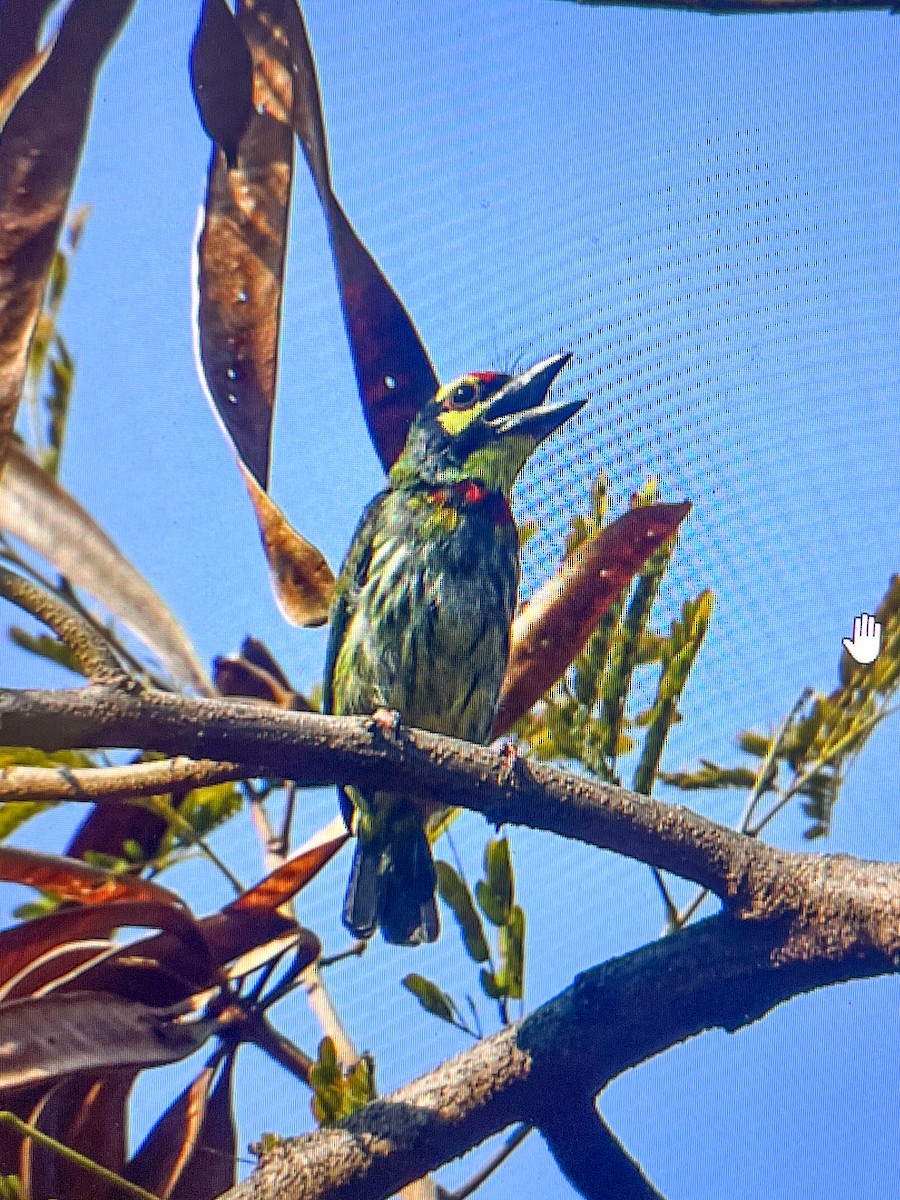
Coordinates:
(494,505)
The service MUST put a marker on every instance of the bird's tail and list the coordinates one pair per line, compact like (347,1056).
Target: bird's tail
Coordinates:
(393,880)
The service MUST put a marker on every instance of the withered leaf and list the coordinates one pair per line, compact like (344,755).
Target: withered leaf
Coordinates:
(302,580)
(393,371)
(192,1149)
(222,77)
(553,628)
(49,520)
(50,1037)
(40,148)
(87,1114)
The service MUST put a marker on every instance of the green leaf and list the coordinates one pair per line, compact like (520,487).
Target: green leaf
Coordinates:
(457,896)
(527,530)
(710,776)
(207,808)
(45,645)
(360,1085)
(32,910)
(511,977)
(17,812)
(499,873)
(27,756)
(490,904)
(754,743)
(490,985)
(431,997)
(11,1187)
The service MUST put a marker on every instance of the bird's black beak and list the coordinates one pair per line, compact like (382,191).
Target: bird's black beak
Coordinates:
(519,407)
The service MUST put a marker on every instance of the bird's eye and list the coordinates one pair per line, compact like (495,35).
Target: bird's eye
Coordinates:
(462,396)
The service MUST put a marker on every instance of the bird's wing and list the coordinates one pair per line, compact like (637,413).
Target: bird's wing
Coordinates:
(352,577)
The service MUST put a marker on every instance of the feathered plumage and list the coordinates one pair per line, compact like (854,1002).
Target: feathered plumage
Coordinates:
(421,616)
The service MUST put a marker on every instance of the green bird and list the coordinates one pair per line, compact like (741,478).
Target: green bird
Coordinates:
(421,616)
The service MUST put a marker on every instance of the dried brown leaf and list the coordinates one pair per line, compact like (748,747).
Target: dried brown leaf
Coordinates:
(42,514)
(76,881)
(87,1114)
(393,371)
(553,628)
(222,77)
(241,250)
(192,1149)
(40,148)
(302,580)
(282,884)
(51,1037)
(24,946)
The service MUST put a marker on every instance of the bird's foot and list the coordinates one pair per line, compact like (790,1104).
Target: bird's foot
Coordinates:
(388,720)
(509,757)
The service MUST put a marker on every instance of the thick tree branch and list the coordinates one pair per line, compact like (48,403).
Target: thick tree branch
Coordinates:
(590,1157)
(315,750)
(720,973)
(793,922)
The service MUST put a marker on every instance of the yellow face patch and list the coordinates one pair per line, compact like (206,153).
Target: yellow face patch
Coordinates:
(461,402)
(455,421)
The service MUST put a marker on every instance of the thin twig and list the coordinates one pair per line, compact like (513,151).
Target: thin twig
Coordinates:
(119,784)
(760,784)
(357,950)
(69,596)
(80,1160)
(515,1139)
(171,814)
(92,652)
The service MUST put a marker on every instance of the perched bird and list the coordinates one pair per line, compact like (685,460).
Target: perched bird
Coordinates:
(421,616)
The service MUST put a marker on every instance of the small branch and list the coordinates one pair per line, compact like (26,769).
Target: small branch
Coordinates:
(172,816)
(591,1158)
(357,950)
(91,651)
(280,1048)
(719,973)
(98,785)
(322,1007)
(512,1143)
(315,750)
(110,1178)
(765,772)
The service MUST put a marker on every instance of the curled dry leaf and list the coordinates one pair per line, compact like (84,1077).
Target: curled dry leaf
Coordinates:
(255,673)
(73,880)
(222,77)
(36,954)
(39,512)
(54,1036)
(240,254)
(553,628)
(191,1151)
(302,580)
(393,371)
(282,884)
(87,1114)
(40,147)
(241,250)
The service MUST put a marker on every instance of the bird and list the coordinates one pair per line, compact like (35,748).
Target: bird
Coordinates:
(421,615)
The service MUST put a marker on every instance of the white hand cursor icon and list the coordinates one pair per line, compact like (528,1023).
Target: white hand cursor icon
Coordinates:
(866,641)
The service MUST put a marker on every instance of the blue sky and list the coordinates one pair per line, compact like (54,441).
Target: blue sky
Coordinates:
(705,212)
